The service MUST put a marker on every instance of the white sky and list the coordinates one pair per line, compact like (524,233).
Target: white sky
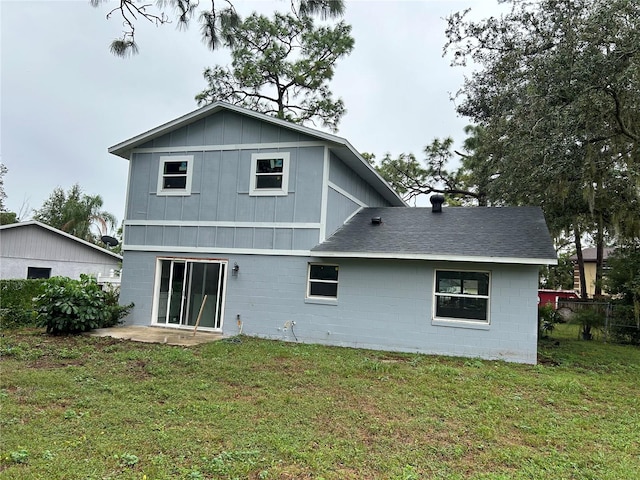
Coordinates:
(65,99)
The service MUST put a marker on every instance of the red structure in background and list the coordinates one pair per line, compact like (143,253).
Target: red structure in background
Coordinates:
(551,296)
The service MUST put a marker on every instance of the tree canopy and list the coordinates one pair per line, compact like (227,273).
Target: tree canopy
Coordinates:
(214,20)
(557,94)
(623,278)
(281,66)
(6,217)
(76,213)
(3,195)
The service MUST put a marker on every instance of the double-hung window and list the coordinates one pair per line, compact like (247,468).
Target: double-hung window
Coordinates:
(174,177)
(462,295)
(269,174)
(323,281)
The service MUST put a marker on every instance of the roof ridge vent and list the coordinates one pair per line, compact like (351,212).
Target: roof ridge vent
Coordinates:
(436,203)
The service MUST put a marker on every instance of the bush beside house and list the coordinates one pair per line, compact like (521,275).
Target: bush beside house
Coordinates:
(16,302)
(75,306)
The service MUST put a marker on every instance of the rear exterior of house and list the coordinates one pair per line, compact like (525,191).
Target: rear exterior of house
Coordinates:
(230,220)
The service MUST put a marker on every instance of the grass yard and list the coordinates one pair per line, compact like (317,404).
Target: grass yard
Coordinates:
(99,408)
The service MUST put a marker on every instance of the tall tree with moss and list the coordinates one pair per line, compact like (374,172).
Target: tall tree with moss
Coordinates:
(557,94)
(76,213)
(214,18)
(282,66)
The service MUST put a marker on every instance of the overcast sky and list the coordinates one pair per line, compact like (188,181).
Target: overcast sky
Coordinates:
(65,99)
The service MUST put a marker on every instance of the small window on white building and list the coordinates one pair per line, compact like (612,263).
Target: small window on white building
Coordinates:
(269,174)
(38,272)
(461,295)
(323,281)
(174,177)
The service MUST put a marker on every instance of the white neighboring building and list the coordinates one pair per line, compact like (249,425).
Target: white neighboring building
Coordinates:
(35,250)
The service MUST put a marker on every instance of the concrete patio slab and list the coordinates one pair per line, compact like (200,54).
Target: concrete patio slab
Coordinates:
(168,336)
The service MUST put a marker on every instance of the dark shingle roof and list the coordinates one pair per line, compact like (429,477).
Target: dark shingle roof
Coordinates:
(591,254)
(498,234)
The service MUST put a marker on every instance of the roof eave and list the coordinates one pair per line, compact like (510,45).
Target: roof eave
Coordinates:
(437,257)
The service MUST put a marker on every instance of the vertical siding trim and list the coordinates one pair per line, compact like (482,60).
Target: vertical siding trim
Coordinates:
(325,196)
(155,296)
(126,201)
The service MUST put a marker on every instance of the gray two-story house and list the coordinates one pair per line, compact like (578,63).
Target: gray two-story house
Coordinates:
(247,223)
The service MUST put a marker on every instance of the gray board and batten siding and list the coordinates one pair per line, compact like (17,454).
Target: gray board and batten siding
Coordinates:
(36,245)
(347,194)
(230,127)
(220,212)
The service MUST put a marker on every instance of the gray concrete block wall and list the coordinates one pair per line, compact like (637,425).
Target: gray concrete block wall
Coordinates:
(389,305)
(382,304)
(137,284)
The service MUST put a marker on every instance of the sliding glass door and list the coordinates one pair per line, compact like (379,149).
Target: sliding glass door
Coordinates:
(190,290)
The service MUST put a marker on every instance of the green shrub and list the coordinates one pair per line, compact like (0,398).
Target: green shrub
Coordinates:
(589,318)
(75,306)
(16,302)
(547,319)
(623,282)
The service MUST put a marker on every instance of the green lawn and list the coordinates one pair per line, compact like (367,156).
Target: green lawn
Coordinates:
(99,408)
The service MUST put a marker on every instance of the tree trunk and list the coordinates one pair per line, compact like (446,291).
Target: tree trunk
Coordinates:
(583,280)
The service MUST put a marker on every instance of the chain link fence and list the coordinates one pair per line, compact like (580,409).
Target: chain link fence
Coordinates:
(606,321)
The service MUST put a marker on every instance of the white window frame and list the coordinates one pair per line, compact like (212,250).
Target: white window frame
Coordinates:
(161,175)
(310,280)
(271,192)
(458,320)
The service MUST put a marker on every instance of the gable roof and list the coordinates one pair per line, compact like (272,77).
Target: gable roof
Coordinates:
(338,145)
(62,234)
(591,254)
(478,234)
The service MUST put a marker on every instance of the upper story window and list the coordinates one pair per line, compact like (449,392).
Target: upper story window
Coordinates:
(461,295)
(323,281)
(269,174)
(174,177)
